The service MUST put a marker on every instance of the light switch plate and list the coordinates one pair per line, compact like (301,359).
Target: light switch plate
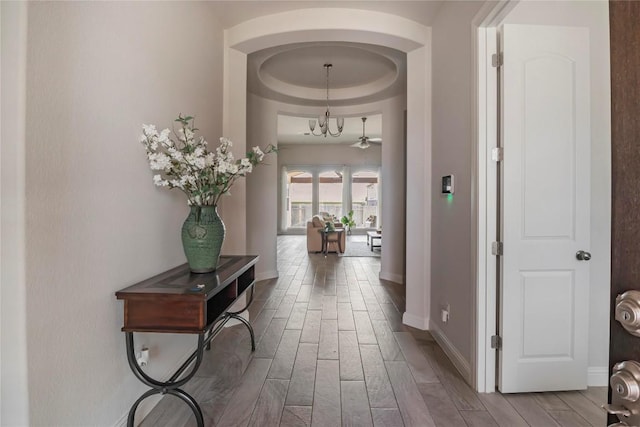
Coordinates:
(447,184)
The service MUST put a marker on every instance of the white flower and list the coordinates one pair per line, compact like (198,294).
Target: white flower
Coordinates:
(259,153)
(157,180)
(177,183)
(163,138)
(223,167)
(175,154)
(159,161)
(149,130)
(246,165)
(187,164)
(199,163)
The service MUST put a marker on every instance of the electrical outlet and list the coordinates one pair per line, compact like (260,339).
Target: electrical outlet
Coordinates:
(445,313)
(142,357)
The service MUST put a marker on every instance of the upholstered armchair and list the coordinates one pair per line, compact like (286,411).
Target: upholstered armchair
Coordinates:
(314,238)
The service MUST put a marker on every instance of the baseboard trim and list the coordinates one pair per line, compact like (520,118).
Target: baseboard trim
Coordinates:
(452,353)
(391,277)
(598,376)
(415,321)
(122,422)
(266,275)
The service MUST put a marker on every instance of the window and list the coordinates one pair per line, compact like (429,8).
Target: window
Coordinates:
(309,190)
(330,192)
(299,193)
(364,198)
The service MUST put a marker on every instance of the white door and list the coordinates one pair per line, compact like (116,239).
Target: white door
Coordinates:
(544,292)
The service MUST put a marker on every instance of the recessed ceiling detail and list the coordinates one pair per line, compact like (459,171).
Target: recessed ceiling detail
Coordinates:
(294,74)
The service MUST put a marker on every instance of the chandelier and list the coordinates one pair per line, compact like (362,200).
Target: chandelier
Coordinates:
(323,121)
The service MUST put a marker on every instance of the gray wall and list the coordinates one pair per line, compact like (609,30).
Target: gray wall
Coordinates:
(451,243)
(94,221)
(452,154)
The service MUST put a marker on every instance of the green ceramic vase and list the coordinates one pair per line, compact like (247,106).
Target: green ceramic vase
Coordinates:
(202,237)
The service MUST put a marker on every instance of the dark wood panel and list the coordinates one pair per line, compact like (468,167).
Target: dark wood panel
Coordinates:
(180,301)
(624,22)
(164,315)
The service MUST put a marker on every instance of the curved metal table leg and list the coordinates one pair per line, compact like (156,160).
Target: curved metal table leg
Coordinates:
(172,385)
(248,325)
(134,408)
(185,397)
(189,400)
(236,315)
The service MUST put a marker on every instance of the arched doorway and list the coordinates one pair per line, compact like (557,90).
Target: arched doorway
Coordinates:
(360,26)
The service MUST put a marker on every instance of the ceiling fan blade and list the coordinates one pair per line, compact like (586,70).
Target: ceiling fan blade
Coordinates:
(375,139)
(361,144)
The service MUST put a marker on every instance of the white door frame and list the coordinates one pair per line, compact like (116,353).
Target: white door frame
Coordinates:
(485,117)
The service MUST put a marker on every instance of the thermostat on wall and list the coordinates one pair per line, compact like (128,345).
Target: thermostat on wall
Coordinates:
(447,184)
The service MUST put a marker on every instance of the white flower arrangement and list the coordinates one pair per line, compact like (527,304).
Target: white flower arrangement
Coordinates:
(185,163)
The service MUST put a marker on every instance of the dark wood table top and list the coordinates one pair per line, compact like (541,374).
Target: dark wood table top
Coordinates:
(181,281)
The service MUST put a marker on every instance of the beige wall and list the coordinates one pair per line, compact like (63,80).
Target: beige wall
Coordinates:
(14,410)
(451,244)
(94,221)
(452,274)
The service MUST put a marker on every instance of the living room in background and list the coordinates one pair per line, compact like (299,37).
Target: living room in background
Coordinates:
(330,190)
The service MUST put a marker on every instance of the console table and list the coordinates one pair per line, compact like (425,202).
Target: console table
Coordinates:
(178,301)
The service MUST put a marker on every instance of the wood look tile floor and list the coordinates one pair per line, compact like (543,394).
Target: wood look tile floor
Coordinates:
(332,351)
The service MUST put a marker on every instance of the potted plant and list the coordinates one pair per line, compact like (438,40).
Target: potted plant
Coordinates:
(348,221)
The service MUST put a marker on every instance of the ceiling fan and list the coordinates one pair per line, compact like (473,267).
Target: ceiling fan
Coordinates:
(364,141)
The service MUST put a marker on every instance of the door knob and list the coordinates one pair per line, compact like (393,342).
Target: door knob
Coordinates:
(625,381)
(583,256)
(625,393)
(628,311)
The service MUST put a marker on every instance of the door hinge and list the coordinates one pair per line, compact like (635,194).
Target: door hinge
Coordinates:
(497,154)
(497,60)
(496,342)
(497,248)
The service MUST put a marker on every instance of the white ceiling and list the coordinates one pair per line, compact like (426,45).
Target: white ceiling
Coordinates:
(294,74)
(231,13)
